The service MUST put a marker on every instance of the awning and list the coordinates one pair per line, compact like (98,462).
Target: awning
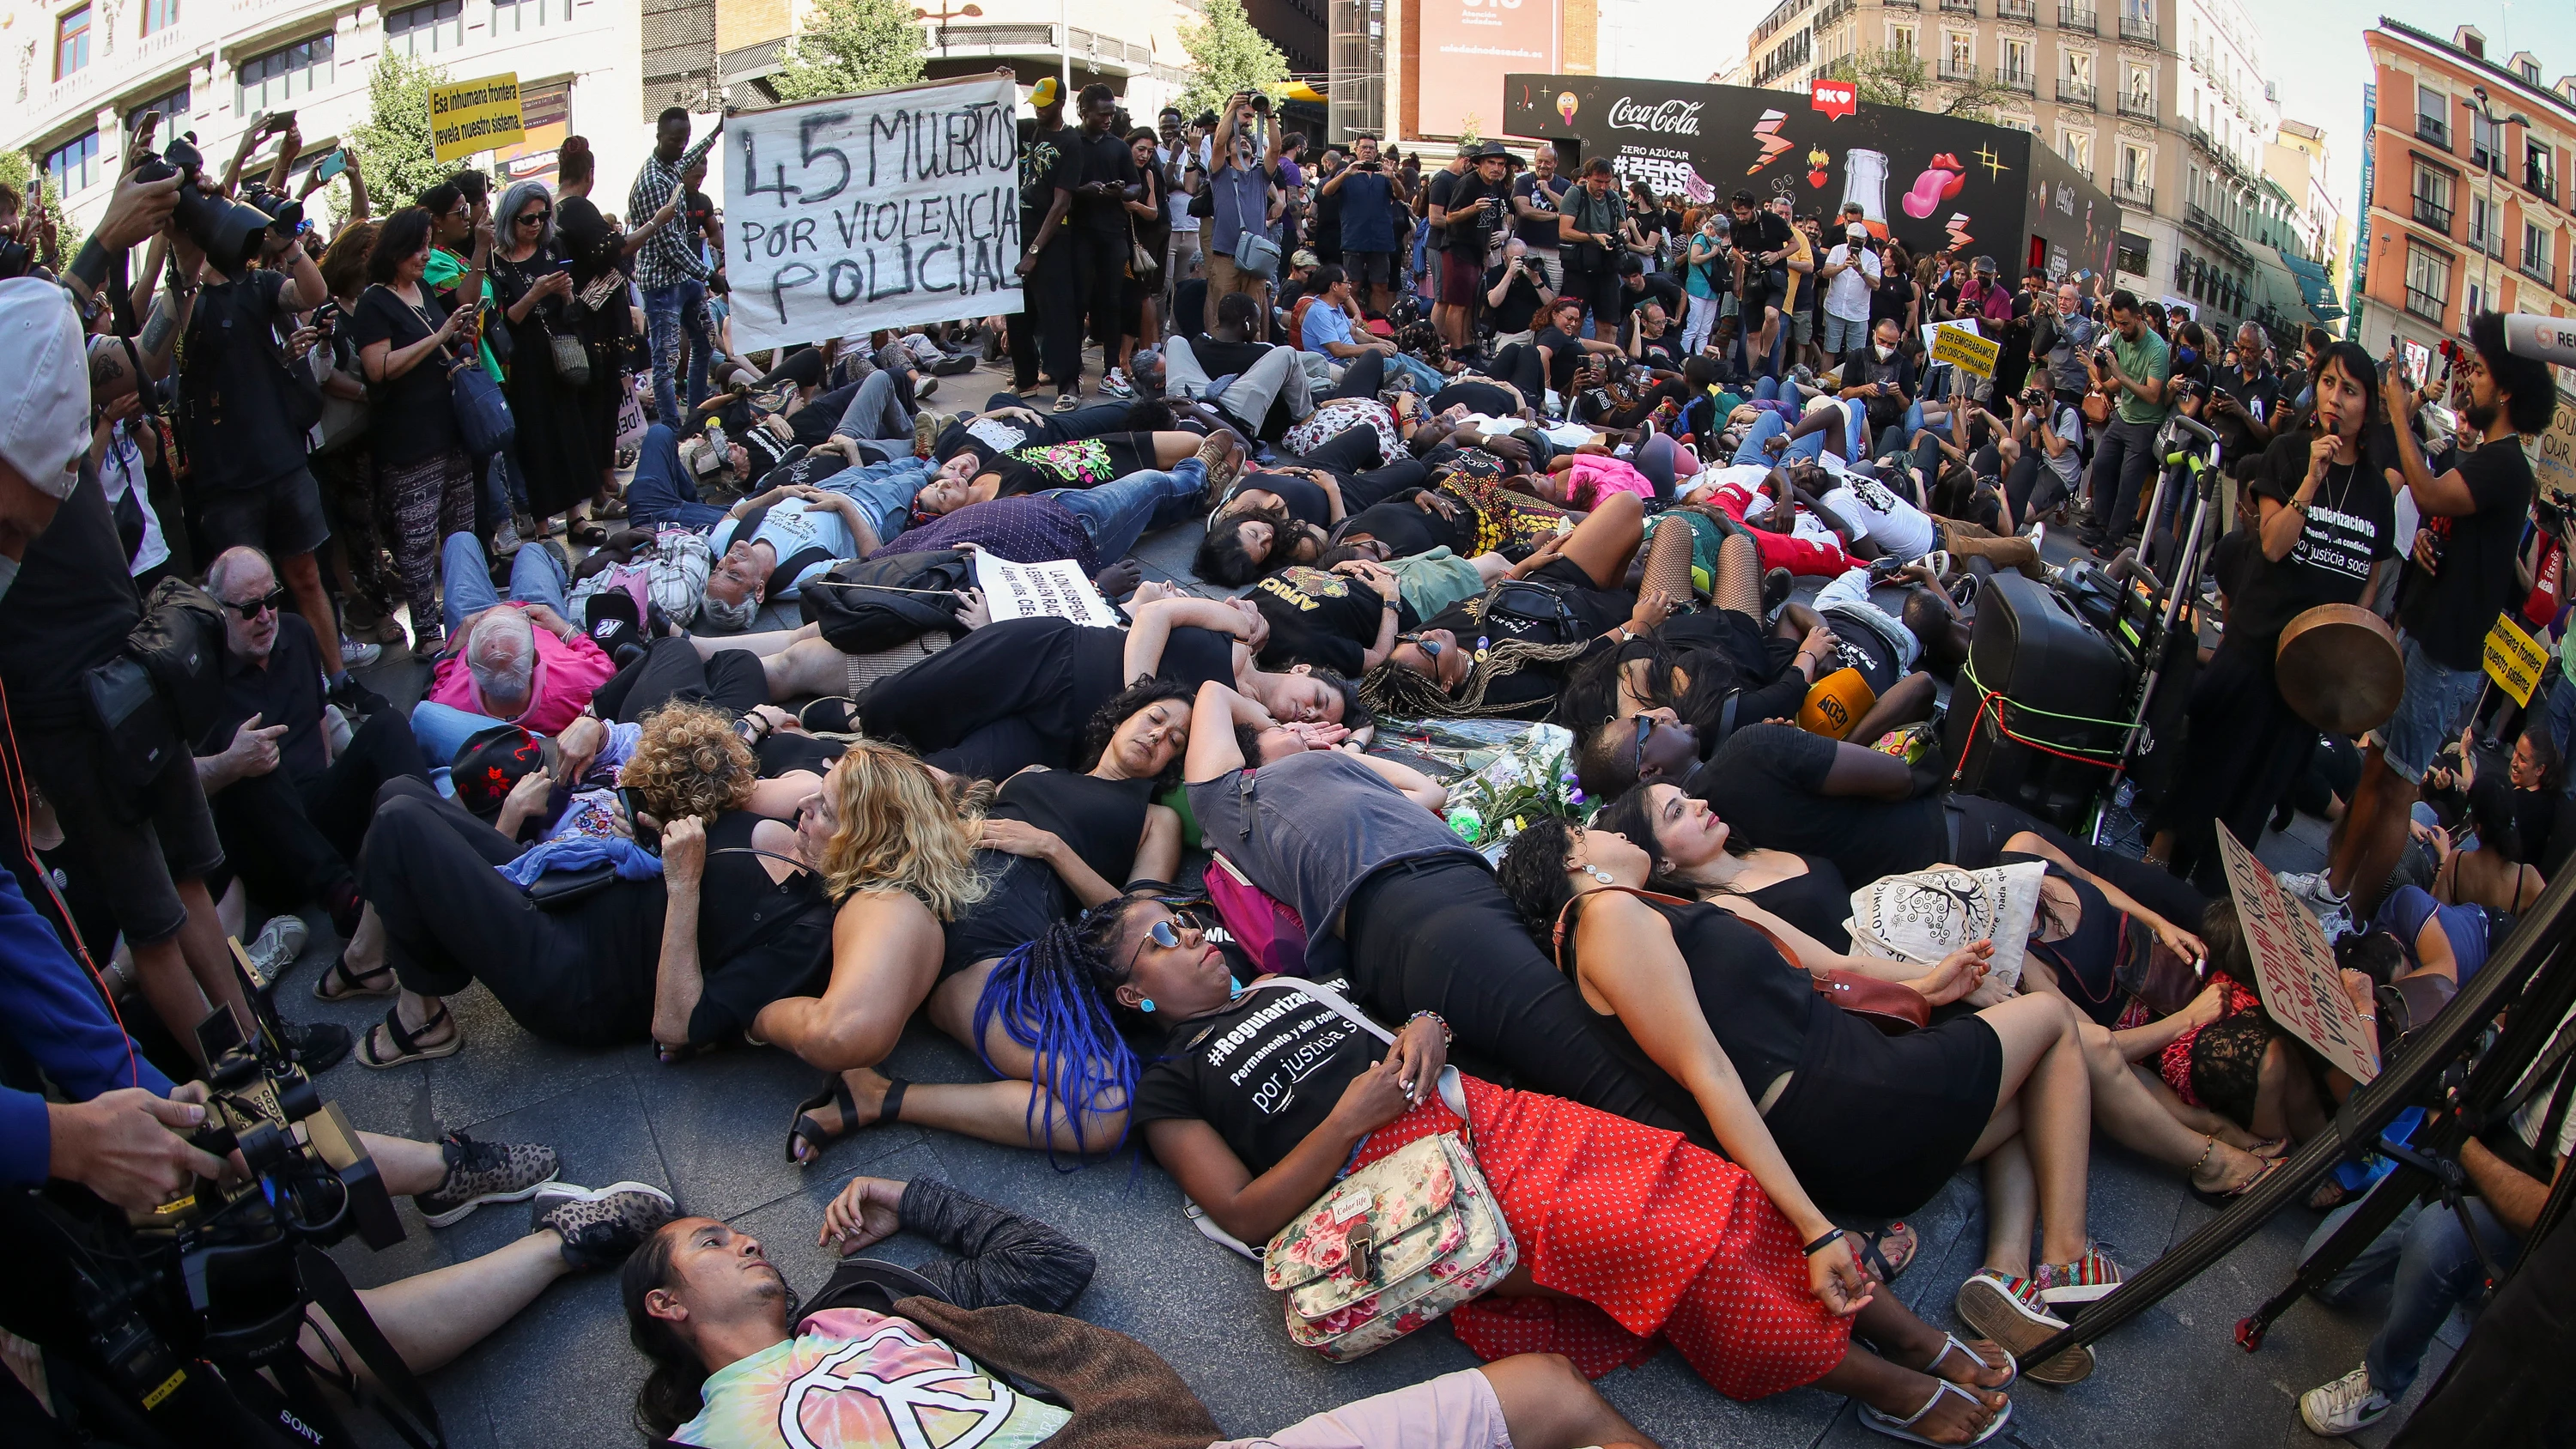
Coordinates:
(2316,289)
(1300,91)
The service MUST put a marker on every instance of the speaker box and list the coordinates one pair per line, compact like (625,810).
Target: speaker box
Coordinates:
(2039,679)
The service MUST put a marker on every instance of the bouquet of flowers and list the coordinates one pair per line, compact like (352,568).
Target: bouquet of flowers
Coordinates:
(1530,775)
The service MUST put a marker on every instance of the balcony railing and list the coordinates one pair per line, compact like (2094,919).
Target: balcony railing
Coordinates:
(1959,7)
(2133,193)
(2026,82)
(2434,214)
(2484,159)
(2080,168)
(1902,4)
(2079,17)
(2139,28)
(2539,184)
(2141,108)
(2433,131)
(2537,268)
(2073,92)
(1958,70)
(2425,305)
(2486,240)
(2026,11)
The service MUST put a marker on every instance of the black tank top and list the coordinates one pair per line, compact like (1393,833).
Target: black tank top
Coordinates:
(1100,819)
(2087,959)
(1763,1011)
(1817,903)
(758,939)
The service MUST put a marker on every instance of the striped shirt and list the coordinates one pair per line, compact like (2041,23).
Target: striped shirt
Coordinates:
(669,256)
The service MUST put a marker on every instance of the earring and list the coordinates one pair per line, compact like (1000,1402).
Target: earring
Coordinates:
(1597,873)
(1146,1005)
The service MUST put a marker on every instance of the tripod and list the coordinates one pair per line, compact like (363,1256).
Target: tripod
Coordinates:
(2431,1067)
(2173,598)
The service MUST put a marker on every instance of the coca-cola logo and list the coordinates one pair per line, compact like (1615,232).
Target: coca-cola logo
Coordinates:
(1672,118)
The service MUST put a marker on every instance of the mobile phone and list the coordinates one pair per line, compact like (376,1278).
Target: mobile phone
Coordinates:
(331,165)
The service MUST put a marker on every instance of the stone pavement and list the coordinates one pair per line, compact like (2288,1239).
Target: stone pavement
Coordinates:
(712,1132)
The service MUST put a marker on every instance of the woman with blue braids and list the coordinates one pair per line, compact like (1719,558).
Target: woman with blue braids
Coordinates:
(1050,843)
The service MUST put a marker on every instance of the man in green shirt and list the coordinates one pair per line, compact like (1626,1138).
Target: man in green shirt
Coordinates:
(2133,369)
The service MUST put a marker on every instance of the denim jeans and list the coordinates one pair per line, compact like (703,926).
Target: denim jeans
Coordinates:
(693,325)
(662,340)
(884,493)
(1424,378)
(2428,713)
(1769,425)
(2122,463)
(537,576)
(662,494)
(1844,333)
(2429,1266)
(1118,513)
(876,416)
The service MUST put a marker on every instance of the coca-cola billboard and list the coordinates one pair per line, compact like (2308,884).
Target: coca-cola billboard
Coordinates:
(1667,118)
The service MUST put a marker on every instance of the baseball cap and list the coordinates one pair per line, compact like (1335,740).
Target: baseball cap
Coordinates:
(1046,93)
(44,427)
(1856,232)
(1304,258)
(491,763)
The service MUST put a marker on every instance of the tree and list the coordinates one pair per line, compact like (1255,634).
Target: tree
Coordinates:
(1900,78)
(393,144)
(1228,55)
(855,45)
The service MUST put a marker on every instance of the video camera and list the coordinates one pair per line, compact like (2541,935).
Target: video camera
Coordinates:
(228,231)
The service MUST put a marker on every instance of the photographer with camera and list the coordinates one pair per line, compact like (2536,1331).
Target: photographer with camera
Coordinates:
(2043,455)
(2134,366)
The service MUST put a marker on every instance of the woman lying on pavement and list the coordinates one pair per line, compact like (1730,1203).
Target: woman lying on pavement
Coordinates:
(735,1353)
(1052,842)
(1293,505)
(1724,1281)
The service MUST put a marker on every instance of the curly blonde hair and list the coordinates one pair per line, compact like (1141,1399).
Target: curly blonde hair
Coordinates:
(691,762)
(897,827)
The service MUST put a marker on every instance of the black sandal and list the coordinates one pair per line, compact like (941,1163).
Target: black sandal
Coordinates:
(407,1045)
(1873,1250)
(354,985)
(836,1093)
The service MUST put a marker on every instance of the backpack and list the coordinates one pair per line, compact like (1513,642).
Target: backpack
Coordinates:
(1265,927)
(864,605)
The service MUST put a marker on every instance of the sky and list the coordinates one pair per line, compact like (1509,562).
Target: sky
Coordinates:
(2320,83)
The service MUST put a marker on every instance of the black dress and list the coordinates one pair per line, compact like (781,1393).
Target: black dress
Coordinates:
(1870,1124)
(559,455)
(759,939)
(1100,819)
(584,236)
(1817,903)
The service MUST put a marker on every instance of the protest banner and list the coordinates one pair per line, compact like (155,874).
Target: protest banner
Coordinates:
(2515,660)
(2302,988)
(476,115)
(878,210)
(1965,350)
(1055,590)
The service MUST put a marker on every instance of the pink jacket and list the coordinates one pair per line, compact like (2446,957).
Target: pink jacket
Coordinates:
(567,674)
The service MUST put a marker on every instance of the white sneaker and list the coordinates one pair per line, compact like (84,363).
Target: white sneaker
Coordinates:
(354,655)
(1116,384)
(2038,534)
(2341,1407)
(278,944)
(2309,885)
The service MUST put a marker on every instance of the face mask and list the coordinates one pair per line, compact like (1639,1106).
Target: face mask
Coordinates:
(1885,352)
(2187,356)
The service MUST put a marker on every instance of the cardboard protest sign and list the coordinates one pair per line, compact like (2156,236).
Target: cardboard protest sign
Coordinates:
(2302,988)
(476,115)
(879,210)
(1055,590)
(1965,350)
(2515,660)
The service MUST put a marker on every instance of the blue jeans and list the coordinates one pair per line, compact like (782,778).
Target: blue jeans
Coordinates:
(876,417)
(693,325)
(2428,714)
(2426,1260)
(662,493)
(1118,513)
(441,730)
(1424,379)
(662,340)
(537,576)
(883,491)
(1768,426)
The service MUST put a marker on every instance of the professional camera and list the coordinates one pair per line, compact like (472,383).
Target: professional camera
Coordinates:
(285,214)
(14,258)
(227,231)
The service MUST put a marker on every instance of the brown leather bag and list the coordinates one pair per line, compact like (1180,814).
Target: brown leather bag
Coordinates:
(1892,1006)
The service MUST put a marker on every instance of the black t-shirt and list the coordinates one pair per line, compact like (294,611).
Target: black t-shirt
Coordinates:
(2452,610)
(1858,645)
(2351,525)
(1895,293)
(1664,353)
(69,611)
(411,419)
(1593,611)
(1303,498)
(1104,158)
(1768,782)
(1658,287)
(1483,397)
(236,418)
(1325,619)
(2233,435)
(758,939)
(1520,304)
(1565,354)
(1264,1072)
(1444,185)
(1048,164)
(1479,237)
(1545,195)
(1407,530)
(1766,232)
(287,691)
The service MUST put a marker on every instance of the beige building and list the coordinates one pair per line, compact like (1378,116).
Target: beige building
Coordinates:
(2301,162)
(1133,46)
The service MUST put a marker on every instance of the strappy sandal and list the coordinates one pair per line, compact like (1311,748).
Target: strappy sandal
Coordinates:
(1896,1428)
(407,1045)
(353,985)
(2220,1197)
(1873,1251)
(836,1094)
(585,534)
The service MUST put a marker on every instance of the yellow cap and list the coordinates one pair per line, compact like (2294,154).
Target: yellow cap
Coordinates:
(1835,703)
(1047,93)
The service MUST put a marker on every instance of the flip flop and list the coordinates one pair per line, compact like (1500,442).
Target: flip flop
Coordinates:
(1896,1428)
(1952,1343)
(407,1047)
(353,984)
(836,1094)
(2220,1199)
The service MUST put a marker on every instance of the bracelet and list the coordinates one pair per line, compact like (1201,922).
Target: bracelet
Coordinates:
(1446,1035)
(1820,1244)
(89,264)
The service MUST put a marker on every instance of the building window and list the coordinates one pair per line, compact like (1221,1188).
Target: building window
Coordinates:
(173,108)
(71,42)
(2077,148)
(2486,143)
(2017,66)
(1900,38)
(2137,165)
(509,17)
(2540,169)
(2486,226)
(2432,199)
(2428,283)
(2535,251)
(426,29)
(159,15)
(2015,123)
(2141,91)
(73,165)
(2079,67)
(267,82)
(2133,254)
(2432,117)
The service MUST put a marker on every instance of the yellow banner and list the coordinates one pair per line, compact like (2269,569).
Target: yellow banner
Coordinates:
(1965,351)
(476,115)
(2515,660)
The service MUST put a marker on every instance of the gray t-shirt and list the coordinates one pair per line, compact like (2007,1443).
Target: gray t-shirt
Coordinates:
(1309,829)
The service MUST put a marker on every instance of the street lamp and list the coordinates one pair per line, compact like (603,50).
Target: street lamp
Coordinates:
(941,19)
(2495,162)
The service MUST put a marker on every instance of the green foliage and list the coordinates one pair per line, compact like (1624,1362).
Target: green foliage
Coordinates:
(1227,54)
(854,45)
(1901,78)
(16,170)
(393,144)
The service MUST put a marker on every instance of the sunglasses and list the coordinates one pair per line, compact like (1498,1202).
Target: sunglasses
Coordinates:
(1165,933)
(250,609)
(535,218)
(1430,647)
(1645,731)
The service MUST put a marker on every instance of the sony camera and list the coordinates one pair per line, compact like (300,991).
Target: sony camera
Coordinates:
(227,231)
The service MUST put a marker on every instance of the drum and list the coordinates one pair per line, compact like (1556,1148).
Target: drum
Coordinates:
(2339,668)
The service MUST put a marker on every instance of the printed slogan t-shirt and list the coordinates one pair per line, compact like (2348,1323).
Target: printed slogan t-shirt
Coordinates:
(858,1380)
(1263,1072)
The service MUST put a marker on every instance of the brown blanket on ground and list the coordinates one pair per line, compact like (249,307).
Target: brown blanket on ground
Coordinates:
(1123,1395)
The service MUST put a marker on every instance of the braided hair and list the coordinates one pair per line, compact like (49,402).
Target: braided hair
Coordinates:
(1393,689)
(1052,997)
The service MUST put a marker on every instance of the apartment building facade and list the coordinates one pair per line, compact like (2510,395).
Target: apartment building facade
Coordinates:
(2465,198)
(2166,104)
(84,71)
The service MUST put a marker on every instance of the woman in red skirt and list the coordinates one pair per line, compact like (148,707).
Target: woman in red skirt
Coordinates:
(1259,1100)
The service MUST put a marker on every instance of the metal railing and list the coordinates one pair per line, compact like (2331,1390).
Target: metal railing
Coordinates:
(2434,214)
(2025,10)
(2424,305)
(2539,184)
(2079,168)
(2133,193)
(2433,131)
(1958,70)
(2487,240)
(2024,81)
(1958,7)
(2141,108)
(2079,17)
(2483,159)
(2537,268)
(2139,28)
(2073,92)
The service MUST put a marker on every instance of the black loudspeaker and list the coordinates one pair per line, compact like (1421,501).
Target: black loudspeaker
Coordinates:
(2033,716)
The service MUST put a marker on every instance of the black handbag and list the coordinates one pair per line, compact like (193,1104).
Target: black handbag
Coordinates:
(137,735)
(864,605)
(558,890)
(1532,611)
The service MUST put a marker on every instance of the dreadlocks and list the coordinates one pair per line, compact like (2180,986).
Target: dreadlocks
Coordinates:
(1392,689)
(1050,996)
